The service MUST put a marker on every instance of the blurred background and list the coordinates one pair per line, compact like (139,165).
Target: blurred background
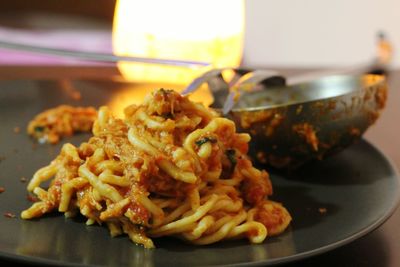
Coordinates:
(318,33)
(308,33)
(291,36)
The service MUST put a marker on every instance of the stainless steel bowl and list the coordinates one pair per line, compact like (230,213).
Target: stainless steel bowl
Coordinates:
(291,125)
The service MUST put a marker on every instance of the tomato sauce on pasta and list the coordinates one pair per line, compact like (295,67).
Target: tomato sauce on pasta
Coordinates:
(170,168)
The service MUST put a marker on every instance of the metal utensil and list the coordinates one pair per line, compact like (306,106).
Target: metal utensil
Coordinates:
(100,57)
(226,84)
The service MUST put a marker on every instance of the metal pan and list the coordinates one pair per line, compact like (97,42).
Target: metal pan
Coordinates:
(292,125)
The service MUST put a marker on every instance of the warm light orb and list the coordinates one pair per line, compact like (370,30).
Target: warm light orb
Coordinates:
(207,31)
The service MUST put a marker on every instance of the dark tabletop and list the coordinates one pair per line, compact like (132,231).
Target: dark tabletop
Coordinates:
(379,248)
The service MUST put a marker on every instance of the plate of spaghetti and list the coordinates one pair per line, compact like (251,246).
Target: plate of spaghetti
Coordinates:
(169,183)
(170,167)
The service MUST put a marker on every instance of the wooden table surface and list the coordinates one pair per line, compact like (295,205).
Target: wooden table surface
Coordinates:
(379,248)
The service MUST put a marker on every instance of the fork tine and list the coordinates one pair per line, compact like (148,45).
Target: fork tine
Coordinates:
(196,83)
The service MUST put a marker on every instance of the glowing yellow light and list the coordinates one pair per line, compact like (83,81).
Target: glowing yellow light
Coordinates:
(207,31)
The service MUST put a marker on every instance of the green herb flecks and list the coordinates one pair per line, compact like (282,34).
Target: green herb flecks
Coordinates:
(205,140)
(39,129)
(231,154)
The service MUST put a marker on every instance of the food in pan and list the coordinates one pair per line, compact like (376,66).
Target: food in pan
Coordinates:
(170,168)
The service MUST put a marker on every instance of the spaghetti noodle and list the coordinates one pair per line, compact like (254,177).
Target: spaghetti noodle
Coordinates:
(172,167)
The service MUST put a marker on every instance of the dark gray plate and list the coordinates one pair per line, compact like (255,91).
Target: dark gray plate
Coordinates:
(358,188)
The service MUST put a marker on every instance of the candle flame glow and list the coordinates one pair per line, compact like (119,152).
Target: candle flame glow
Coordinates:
(206,31)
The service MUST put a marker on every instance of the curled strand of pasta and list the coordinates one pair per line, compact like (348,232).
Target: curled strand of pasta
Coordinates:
(157,212)
(222,232)
(36,210)
(42,175)
(109,178)
(165,165)
(137,235)
(153,124)
(258,230)
(176,173)
(67,190)
(114,210)
(105,190)
(175,227)
(137,142)
(201,227)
